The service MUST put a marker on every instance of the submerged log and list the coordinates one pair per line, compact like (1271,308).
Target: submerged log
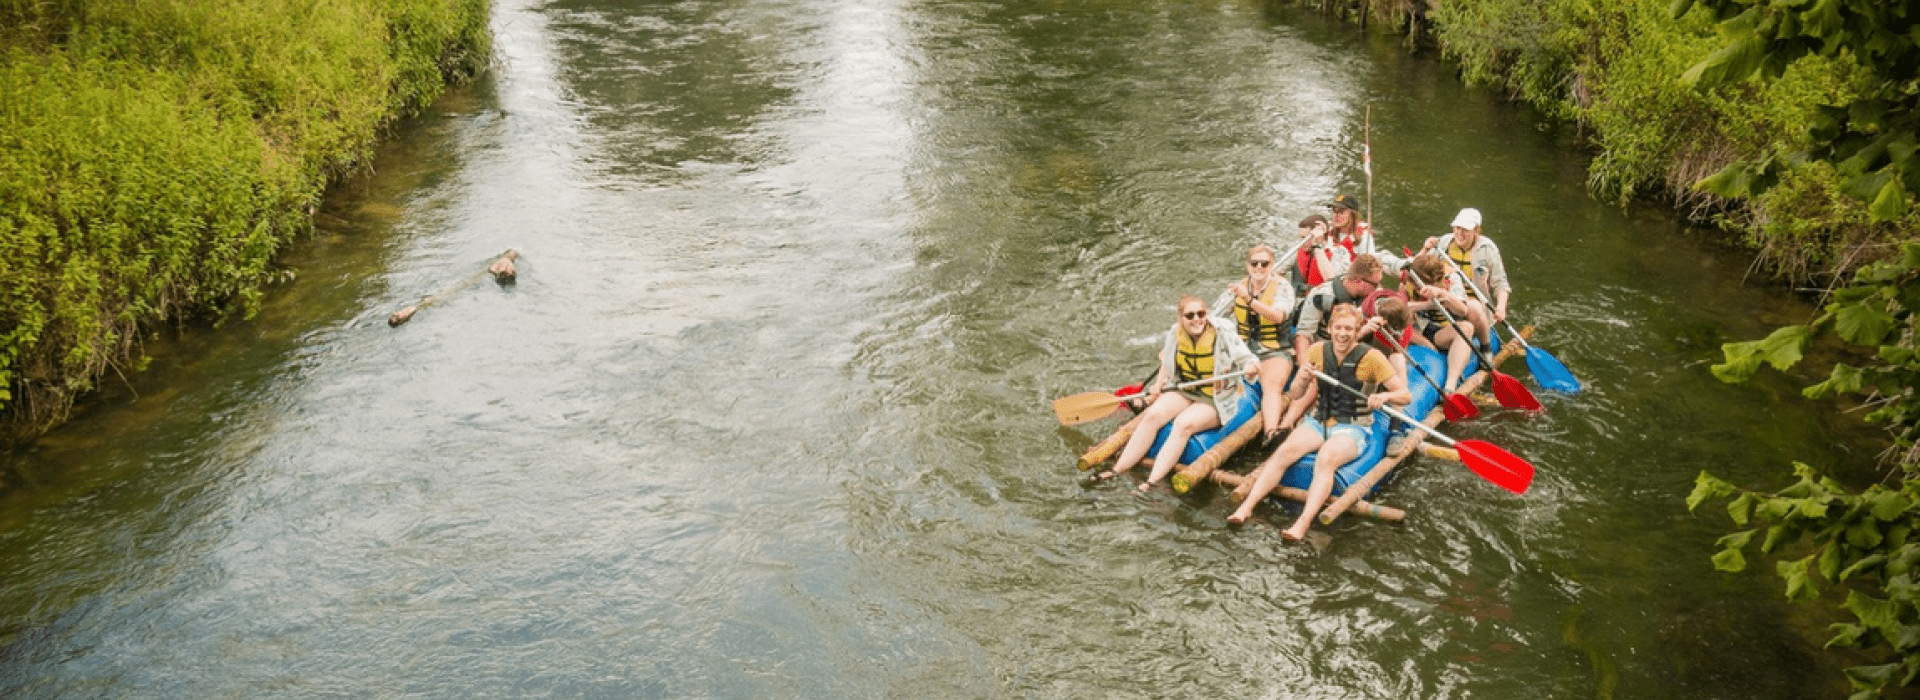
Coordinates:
(1102,452)
(501,268)
(1387,513)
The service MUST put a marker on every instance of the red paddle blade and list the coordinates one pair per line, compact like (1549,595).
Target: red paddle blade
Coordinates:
(1513,394)
(1496,465)
(1458,407)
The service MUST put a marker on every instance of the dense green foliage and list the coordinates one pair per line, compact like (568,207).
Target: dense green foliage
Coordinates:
(155,153)
(1612,67)
(1861,541)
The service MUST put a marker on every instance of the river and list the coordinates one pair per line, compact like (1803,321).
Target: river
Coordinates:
(766,414)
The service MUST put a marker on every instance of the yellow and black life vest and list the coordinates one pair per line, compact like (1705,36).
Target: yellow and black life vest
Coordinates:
(1193,358)
(1464,260)
(1256,329)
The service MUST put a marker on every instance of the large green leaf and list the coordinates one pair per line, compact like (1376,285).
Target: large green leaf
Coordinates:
(1734,61)
(1844,379)
(1707,487)
(1782,348)
(1730,560)
(1865,323)
(1892,201)
(1879,615)
(1799,582)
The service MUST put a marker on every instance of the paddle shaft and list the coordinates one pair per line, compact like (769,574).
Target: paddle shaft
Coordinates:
(1464,337)
(1209,380)
(1415,365)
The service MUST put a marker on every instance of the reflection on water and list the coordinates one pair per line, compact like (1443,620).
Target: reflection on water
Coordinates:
(766,414)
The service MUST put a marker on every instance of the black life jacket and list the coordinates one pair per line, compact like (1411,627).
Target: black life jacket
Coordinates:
(1325,304)
(1342,406)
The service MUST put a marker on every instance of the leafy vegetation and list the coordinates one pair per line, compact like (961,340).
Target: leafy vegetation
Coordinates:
(1864,542)
(155,153)
(1866,142)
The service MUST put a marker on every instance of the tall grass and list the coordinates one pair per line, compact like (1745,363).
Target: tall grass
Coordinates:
(155,153)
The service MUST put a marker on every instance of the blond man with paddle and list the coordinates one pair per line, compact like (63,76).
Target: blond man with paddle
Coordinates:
(1340,421)
(1198,347)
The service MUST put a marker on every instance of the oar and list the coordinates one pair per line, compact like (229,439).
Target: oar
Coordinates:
(1510,392)
(1095,405)
(1456,406)
(1366,165)
(1546,368)
(1486,459)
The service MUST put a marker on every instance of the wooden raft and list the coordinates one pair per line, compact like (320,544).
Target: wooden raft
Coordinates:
(1207,466)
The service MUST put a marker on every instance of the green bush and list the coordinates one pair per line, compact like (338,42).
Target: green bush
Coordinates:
(1613,68)
(155,153)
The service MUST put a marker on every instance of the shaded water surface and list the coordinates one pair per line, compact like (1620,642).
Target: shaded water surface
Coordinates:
(766,414)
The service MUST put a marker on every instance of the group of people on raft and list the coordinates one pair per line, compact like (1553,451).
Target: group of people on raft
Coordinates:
(1325,309)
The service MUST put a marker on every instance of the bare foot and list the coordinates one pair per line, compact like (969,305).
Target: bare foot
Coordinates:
(1294,534)
(1237,518)
(1146,486)
(1102,476)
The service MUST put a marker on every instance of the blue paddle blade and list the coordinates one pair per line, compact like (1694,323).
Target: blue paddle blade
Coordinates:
(1549,373)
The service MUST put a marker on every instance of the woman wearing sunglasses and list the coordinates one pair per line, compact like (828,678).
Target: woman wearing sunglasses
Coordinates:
(1198,347)
(1262,310)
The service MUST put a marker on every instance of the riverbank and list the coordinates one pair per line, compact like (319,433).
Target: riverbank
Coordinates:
(1611,69)
(155,155)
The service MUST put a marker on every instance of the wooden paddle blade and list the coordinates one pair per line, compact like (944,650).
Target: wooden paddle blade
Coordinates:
(1085,408)
(1513,394)
(1548,371)
(1496,465)
(1458,407)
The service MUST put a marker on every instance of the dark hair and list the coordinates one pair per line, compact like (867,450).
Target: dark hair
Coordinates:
(1315,220)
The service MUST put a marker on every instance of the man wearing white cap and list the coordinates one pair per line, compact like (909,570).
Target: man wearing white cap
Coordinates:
(1476,253)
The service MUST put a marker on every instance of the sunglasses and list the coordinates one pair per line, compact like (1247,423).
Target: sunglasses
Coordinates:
(1193,315)
(1259,263)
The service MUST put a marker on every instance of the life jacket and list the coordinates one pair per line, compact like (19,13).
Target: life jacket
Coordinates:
(1306,272)
(1193,358)
(1381,339)
(1339,406)
(1324,304)
(1256,329)
(1464,260)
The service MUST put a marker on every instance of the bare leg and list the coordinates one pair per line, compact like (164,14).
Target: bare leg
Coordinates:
(1333,455)
(1199,416)
(1458,354)
(1273,385)
(1164,409)
(1298,444)
(1482,321)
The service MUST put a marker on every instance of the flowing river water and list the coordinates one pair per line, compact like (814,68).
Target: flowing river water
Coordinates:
(767,413)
